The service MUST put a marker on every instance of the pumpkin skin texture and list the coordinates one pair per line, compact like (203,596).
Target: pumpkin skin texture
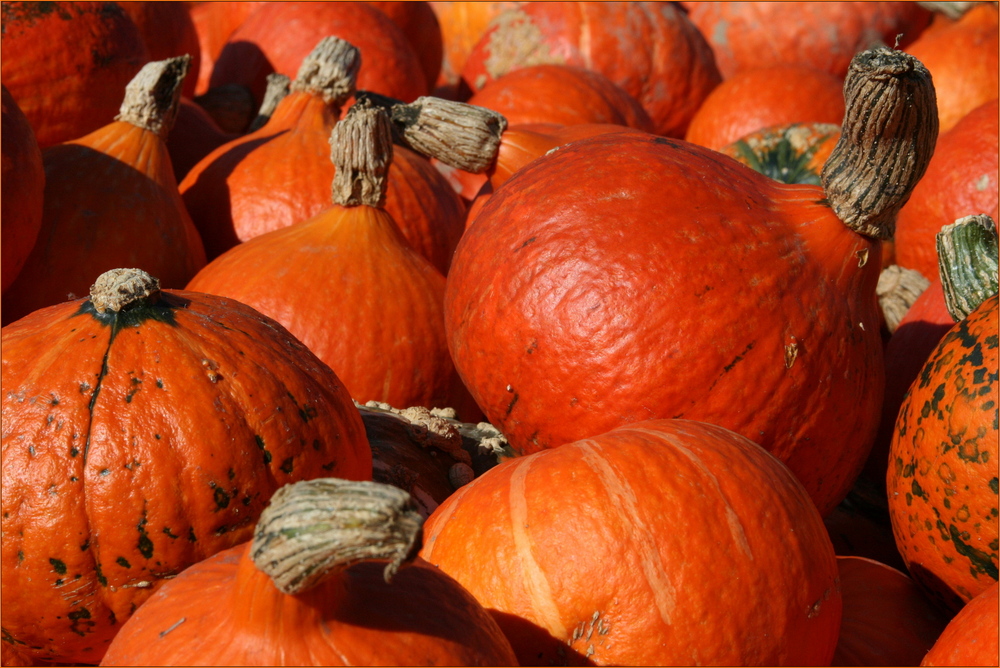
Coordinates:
(824,35)
(136,444)
(792,153)
(195,135)
(462,24)
(417,20)
(23,186)
(66,64)
(970,639)
(623,597)
(942,477)
(650,49)
(764,97)
(887,620)
(591,325)
(168,31)
(961,180)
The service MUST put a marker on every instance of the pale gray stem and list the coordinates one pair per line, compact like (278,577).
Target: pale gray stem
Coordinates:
(330,70)
(152,97)
(278,86)
(967,263)
(458,134)
(119,289)
(361,150)
(898,288)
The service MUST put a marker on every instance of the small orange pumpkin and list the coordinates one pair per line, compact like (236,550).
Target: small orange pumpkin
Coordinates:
(970,639)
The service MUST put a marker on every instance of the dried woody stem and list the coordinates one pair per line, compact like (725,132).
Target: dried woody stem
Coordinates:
(314,529)
(887,138)
(118,289)
(898,288)
(152,97)
(967,262)
(278,87)
(330,70)
(361,150)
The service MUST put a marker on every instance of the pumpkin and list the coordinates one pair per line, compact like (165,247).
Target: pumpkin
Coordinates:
(417,20)
(763,97)
(964,60)
(195,135)
(651,49)
(111,200)
(586,554)
(214,22)
(279,35)
(462,24)
(942,475)
(970,639)
(790,153)
(568,316)
(859,526)
(144,429)
(66,64)
(887,621)
(23,185)
(960,181)
(331,578)
(385,335)
(824,35)
(168,31)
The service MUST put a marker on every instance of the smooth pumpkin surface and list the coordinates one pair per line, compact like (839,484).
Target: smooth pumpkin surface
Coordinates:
(23,186)
(137,444)
(168,31)
(970,639)
(417,20)
(597,552)
(214,22)
(942,477)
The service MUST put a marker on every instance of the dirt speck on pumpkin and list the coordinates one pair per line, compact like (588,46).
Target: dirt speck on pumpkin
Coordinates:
(517,42)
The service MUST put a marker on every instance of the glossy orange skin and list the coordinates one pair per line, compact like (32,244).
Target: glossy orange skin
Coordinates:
(964,59)
(650,49)
(354,618)
(961,180)
(168,31)
(279,35)
(281,174)
(23,186)
(561,94)
(67,64)
(128,458)
(599,286)
(384,332)
(887,620)
(417,20)
(215,22)
(588,552)
(462,24)
(111,201)
(824,35)
(764,97)
(942,478)
(970,639)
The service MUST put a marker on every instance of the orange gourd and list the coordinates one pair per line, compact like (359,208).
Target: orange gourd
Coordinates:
(23,186)
(111,201)
(214,22)
(462,24)
(970,639)
(195,135)
(144,429)
(168,31)
(417,20)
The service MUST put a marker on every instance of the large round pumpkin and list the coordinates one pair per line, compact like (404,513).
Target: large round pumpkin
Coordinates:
(970,639)
(666,542)
(23,186)
(144,430)
(629,277)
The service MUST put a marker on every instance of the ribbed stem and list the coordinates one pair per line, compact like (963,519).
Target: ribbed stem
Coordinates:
(361,150)
(967,260)
(278,86)
(313,529)
(120,289)
(330,70)
(152,97)
(887,139)
(898,288)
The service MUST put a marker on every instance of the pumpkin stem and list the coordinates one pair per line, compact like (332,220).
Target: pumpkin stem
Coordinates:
(887,138)
(120,289)
(313,529)
(278,86)
(153,96)
(897,290)
(330,71)
(967,259)
(952,10)
(361,150)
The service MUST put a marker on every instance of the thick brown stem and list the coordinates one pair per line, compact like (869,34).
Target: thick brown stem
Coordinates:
(330,70)
(967,263)
(887,138)
(153,96)
(313,529)
(361,150)
(119,289)
(898,288)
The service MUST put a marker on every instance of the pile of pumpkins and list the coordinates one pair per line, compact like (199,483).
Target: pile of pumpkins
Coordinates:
(499,333)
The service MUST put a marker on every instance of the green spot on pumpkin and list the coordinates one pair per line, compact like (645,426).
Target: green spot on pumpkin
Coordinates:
(123,562)
(169,533)
(980,561)
(918,490)
(145,544)
(58,566)
(263,447)
(100,575)
(221,498)
(287,465)
(994,485)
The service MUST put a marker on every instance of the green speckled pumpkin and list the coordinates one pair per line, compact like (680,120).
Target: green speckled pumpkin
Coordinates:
(942,479)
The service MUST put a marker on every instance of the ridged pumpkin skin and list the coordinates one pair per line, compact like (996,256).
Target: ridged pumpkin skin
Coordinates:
(970,639)
(887,620)
(763,97)
(23,186)
(790,153)
(565,321)
(134,448)
(961,180)
(650,49)
(587,552)
(67,63)
(942,478)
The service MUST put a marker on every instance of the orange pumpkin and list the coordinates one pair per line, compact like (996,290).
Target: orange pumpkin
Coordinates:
(462,24)
(585,554)
(195,135)
(168,31)
(23,185)
(417,20)
(66,64)
(313,588)
(144,430)
(670,79)
(792,153)
(111,200)
(763,97)
(970,639)
(215,22)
